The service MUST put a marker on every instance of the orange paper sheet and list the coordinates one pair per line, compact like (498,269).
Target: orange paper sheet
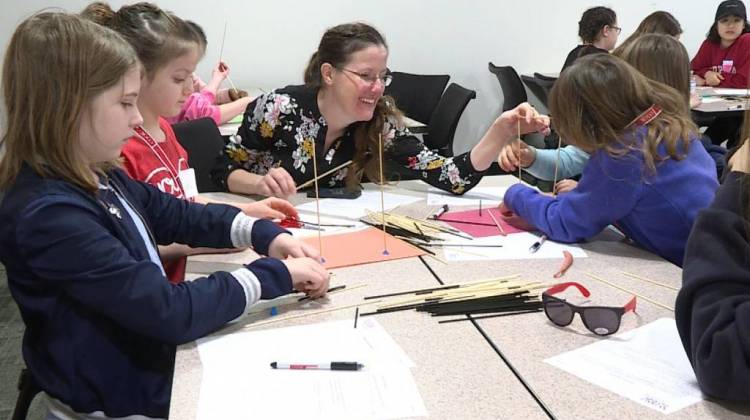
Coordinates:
(361,247)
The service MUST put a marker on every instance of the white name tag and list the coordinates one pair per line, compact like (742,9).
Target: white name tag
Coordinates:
(189,185)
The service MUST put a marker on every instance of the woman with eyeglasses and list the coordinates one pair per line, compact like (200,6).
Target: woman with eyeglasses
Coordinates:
(598,30)
(342,113)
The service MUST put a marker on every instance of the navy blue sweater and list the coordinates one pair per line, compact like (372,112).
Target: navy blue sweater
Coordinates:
(102,322)
(656,211)
(713,306)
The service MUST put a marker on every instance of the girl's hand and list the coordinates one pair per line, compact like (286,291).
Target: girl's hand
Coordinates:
(713,78)
(514,154)
(531,121)
(308,276)
(565,185)
(513,219)
(270,208)
(220,72)
(286,245)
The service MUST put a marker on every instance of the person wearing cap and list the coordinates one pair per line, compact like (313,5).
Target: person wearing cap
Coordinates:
(723,59)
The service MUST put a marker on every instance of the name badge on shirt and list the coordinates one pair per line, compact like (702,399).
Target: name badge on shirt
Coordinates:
(189,185)
(726,66)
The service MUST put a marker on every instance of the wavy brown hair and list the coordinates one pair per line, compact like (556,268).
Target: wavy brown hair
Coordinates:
(595,101)
(662,58)
(55,65)
(336,48)
(659,22)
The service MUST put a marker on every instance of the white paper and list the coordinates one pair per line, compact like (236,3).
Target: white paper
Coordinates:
(731,92)
(490,196)
(238,381)
(647,365)
(514,247)
(354,209)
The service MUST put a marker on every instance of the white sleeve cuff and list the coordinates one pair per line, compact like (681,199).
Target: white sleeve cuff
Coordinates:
(241,230)
(250,285)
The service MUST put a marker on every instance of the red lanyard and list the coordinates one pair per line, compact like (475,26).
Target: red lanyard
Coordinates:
(161,155)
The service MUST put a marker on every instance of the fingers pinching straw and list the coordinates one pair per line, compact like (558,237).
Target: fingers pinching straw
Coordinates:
(382,193)
(317,200)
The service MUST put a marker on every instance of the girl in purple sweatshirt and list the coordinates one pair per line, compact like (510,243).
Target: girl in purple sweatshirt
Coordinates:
(648,175)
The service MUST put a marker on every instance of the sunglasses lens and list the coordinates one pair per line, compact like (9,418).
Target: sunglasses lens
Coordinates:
(557,311)
(601,321)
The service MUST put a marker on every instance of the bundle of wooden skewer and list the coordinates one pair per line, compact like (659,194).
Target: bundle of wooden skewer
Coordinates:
(501,296)
(411,229)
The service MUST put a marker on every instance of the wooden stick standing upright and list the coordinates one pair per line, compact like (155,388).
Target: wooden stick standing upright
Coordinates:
(317,200)
(221,54)
(382,193)
(519,150)
(557,164)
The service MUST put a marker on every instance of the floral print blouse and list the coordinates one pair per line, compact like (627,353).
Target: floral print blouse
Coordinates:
(280,129)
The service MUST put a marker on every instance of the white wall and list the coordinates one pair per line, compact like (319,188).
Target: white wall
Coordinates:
(268,42)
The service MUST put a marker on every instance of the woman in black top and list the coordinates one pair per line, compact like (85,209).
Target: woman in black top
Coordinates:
(341,111)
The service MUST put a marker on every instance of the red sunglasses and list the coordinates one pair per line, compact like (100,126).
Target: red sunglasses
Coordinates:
(600,320)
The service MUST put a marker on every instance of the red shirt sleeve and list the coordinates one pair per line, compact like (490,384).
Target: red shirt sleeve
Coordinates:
(702,61)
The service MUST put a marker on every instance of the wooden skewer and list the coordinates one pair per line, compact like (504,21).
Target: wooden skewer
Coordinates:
(629,291)
(306,314)
(519,150)
(325,174)
(499,227)
(317,200)
(650,281)
(557,163)
(221,54)
(382,193)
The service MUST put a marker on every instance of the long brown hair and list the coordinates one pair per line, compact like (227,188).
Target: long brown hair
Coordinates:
(595,103)
(659,22)
(662,58)
(158,36)
(336,48)
(56,63)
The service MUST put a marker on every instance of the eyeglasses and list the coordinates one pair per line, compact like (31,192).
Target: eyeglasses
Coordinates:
(371,79)
(616,28)
(600,320)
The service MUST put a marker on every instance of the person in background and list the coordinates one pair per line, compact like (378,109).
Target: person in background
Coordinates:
(647,175)
(659,22)
(78,236)
(723,61)
(340,113)
(598,31)
(207,100)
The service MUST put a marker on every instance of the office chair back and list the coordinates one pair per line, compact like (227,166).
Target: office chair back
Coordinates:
(539,88)
(417,95)
(203,143)
(442,126)
(513,91)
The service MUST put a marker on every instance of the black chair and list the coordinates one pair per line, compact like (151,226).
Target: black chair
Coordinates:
(445,118)
(536,88)
(27,390)
(513,91)
(203,143)
(417,95)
